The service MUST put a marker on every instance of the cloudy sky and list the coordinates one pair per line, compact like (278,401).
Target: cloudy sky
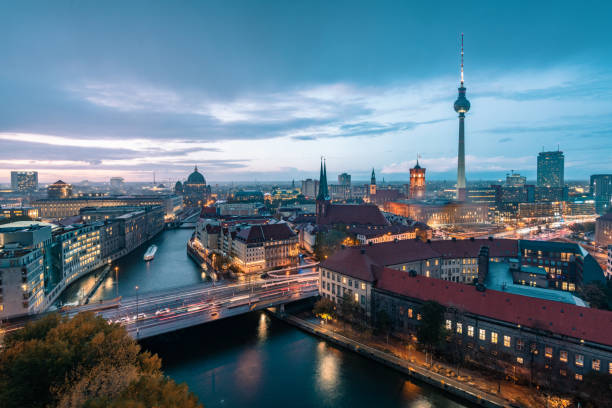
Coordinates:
(260,90)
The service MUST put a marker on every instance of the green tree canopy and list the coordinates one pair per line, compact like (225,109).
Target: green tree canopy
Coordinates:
(82,362)
(431,329)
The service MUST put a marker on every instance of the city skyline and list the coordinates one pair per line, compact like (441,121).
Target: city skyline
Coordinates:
(136,95)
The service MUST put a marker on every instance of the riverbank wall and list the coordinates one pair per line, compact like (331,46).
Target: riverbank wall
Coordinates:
(453,387)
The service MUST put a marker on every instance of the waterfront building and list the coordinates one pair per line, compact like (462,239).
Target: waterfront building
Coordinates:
(567,266)
(76,251)
(310,188)
(461,106)
(195,191)
(24,181)
(59,190)
(515,180)
(417,182)
(535,339)
(134,225)
(24,267)
(435,213)
(265,247)
(603,230)
(344,179)
(53,209)
(601,190)
(551,169)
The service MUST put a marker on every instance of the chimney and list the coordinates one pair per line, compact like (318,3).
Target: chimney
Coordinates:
(483,264)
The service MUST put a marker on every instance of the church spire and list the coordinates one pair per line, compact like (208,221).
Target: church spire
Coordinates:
(323,190)
(373,177)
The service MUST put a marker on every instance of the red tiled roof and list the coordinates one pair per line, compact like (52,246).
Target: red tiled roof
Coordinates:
(575,321)
(267,232)
(363,214)
(352,262)
(393,253)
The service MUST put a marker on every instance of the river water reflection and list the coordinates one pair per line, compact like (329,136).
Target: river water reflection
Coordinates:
(254,360)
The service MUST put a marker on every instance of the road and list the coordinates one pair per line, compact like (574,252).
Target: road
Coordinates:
(159,312)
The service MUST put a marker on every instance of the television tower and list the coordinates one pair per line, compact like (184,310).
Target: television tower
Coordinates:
(462,105)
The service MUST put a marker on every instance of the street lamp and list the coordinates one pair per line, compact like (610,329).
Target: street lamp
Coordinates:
(136,288)
(117,280)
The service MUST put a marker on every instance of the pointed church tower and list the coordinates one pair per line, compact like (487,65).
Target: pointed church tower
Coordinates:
(323,199)
(373,183)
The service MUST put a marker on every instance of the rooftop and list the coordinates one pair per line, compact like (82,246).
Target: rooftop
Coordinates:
(362,214)
(574,321)
(266,232)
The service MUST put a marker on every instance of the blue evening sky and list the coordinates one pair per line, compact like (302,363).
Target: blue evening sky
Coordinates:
(260,90)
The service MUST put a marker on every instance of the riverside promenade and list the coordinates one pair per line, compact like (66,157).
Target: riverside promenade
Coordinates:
(484,395)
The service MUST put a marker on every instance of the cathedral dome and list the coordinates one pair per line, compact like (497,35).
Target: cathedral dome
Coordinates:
(196,177)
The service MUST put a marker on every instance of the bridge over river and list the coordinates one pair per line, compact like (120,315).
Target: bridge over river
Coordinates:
(158,312)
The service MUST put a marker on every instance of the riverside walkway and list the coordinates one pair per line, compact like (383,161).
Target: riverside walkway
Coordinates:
(451,385)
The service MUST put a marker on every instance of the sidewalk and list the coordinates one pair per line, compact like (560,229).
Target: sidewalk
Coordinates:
(469,384)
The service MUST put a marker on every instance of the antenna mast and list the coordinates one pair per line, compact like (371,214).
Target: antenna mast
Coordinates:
(461,59)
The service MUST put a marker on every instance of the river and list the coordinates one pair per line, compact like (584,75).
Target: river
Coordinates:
(254,360)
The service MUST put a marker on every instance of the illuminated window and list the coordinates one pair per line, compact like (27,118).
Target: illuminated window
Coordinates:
(356,297)
(609,368)
(482,334)
(579,360)
(563,356)
(493,337)
(427,273)
(427,263)
(410,313)
(470,331)
(596,364)
(449,325)
(344,280)
(548,352)
(519,360)
(419,318)
(506,341)
(578,377)
(436,262)
(363,286)
(459,328)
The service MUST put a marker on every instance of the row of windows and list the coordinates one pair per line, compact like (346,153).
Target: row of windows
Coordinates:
(338,278)
(507,342)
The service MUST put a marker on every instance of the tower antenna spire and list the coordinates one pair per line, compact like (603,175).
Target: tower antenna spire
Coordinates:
(461,59)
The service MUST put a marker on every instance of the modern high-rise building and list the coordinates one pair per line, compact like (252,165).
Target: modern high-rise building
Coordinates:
(601,190)
(344,179)
(462,105)
(310,188)
(551,169)
(417,181)
(24,181)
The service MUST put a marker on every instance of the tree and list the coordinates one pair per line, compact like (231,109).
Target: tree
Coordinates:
(383,323)
(595,294)
(76,362)
(325,309)
(349,309)
(431,331)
